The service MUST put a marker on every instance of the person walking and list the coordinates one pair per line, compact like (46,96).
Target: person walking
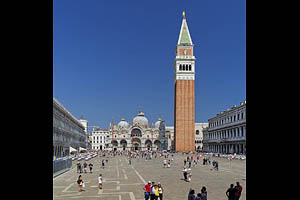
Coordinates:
(78,167)
(156,192)
(80,183)
(213,165)
(84,166)
(100,181)
(238,192)
(190,163)
(230,193)
(147,189)
(185,173)
(161,191)
(191,195)
(152,191)
(203,193)
(217,165)
(102,164)
(198,197)
(189,174)
(91,167)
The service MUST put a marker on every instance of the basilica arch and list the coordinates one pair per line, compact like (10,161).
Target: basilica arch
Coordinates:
(136,132)
(114,144)
(123,144)
(157,144)
(148,144)
(136,144)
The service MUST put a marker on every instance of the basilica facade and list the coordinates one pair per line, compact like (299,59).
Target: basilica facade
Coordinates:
(138,135)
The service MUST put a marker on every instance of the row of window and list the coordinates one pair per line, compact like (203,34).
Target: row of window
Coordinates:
(96,147)
(228,133)
(232,118)
(101,132)
(63,138)
(137,135)
(97,137)
(68,125)
(185,67)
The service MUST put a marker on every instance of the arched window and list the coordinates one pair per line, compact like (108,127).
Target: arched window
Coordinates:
(197,132)
(190,67)
(137,133)
(183,67)
(180,67)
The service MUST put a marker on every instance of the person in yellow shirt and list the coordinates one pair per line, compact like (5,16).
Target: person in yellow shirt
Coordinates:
(156,192)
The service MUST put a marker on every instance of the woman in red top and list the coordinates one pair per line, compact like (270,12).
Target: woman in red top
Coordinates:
(147,188)
(239,189)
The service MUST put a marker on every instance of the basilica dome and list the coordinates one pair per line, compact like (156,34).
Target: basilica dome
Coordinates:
(123,124)
(141,120)
(157,123)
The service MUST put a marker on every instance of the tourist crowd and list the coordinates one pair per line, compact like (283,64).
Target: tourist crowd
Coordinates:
(153,191)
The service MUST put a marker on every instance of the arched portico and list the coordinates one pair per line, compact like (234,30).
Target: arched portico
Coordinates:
(157,144)
(136,144)
(148,144)
(123,144)
(114,144)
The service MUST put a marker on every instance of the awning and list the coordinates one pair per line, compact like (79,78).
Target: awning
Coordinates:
(82,149)
(72,149)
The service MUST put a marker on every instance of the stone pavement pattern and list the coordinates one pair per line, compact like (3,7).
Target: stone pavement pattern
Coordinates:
(125,182)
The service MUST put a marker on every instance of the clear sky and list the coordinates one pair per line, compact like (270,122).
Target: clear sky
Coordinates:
(109,57)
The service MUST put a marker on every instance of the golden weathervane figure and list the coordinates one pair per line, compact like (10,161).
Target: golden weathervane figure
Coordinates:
(183,14)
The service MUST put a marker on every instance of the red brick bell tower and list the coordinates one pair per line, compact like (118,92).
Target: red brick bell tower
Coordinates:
(184,112)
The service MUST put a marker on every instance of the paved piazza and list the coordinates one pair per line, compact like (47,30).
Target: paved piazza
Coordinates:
(125,182)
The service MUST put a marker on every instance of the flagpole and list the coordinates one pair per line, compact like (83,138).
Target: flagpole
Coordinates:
(112,130)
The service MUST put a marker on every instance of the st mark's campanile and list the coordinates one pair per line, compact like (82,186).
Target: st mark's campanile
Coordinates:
(184,111)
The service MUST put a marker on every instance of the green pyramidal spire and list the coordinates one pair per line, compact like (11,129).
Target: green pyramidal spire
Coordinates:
(184,36)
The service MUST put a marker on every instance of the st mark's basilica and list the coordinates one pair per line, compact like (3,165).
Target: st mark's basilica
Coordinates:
(138,135)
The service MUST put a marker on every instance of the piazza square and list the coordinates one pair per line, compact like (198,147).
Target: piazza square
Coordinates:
(187,140)
(122,181)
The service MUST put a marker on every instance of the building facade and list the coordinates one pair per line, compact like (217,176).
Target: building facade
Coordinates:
(184,111)
(226,132)
(67,131)
(137,136)
(85,125)
(170,136)
(199,128)
(199,135)
(99,139)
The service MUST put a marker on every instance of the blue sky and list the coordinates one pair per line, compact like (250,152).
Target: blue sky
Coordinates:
(109,57)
